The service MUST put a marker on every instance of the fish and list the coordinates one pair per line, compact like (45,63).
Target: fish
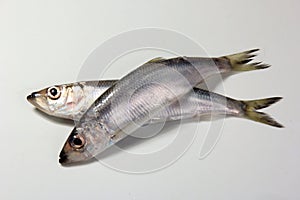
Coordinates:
(139,95)
(196,104)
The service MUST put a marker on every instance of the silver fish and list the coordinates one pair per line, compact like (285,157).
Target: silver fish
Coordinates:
(141,94)
(71,101)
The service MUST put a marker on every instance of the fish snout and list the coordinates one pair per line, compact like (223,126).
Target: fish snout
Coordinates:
(63,158)
(32,96)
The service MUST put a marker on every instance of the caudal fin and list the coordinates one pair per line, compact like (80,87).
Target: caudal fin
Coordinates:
(251,112)
(242,61)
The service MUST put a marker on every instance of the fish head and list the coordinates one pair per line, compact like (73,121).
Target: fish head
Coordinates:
(58,100)
(84,144)
(74,149)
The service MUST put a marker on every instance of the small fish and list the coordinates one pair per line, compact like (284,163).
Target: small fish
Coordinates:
(141,94)
(81,95)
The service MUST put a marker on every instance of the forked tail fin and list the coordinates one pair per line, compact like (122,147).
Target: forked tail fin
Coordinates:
(251,107)
(242,61)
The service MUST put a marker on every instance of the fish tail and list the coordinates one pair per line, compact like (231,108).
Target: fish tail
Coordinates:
(250,111)
(242,61)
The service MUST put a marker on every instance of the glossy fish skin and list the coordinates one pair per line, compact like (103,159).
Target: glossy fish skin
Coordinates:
(138,96)
(73,101)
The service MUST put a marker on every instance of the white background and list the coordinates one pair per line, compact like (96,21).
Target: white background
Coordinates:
(45,42)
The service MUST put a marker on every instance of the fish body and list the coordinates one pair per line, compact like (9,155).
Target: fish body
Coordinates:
(140,95)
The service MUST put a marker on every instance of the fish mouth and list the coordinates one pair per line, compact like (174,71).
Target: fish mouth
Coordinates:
(31,98)
(63,158)
(36,100)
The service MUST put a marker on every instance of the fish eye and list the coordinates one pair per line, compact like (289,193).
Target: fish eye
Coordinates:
(54,92)
(77,142)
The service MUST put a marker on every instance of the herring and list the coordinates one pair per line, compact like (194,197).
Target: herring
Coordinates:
(141,94)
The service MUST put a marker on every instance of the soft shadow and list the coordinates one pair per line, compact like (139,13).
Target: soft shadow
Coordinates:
(58,120)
